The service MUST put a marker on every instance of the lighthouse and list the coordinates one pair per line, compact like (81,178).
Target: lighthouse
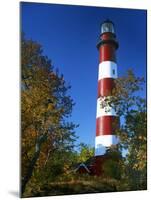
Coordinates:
(107,119)
(106,116)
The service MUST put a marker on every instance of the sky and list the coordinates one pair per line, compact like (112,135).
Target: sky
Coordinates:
(69,35)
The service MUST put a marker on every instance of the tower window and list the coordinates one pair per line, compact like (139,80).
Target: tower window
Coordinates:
(113,71)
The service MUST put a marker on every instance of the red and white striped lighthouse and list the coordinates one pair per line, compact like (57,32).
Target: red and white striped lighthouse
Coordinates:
(106,117)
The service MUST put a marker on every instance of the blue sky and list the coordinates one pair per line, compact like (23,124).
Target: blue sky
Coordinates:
(69,35)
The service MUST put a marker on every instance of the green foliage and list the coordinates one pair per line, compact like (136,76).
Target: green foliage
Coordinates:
(112,166)
(85,152)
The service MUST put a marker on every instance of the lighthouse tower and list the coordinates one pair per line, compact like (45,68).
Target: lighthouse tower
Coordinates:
(106,117)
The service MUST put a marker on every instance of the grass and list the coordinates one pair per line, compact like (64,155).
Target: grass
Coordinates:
(75,185)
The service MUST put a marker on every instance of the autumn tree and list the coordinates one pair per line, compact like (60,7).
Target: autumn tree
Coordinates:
(130,105)
(45,107)
(136,166)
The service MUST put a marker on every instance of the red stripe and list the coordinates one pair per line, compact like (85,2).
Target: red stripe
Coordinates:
(107,36)
(106,125)
(105,86)
(107,52)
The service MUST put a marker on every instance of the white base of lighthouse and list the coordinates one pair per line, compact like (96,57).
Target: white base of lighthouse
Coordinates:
(100,150)
(104,141)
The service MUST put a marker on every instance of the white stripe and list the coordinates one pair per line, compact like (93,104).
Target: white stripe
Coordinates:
(106,140)
(107,69)
(104,111)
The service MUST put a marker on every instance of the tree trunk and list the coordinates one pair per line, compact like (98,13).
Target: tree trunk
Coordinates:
(26,179)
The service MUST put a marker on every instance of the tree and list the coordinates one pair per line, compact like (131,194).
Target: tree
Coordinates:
(130,106)
(112,166)
(85,152)
(45,107)
(137,154)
